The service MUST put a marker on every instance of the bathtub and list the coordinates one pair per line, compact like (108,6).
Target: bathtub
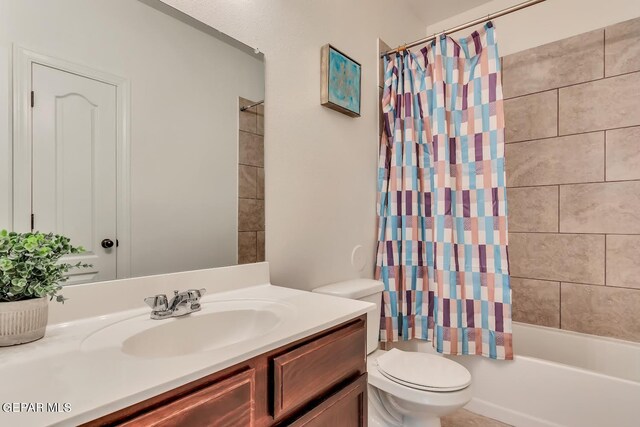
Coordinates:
(557,378)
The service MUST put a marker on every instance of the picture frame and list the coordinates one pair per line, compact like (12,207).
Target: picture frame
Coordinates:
(341,82)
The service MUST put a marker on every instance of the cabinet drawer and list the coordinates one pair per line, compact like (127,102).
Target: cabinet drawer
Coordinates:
(309,371)
(345,408)
(228,403)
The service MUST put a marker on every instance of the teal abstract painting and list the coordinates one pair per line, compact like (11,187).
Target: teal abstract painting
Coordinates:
(343,82)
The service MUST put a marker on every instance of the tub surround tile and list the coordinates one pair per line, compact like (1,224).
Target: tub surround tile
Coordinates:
(565,62)
(558,257)
(623,153)
(382,47)
(251,149)
(562,160)
(610,207)
(250,215)
(533,209)
(602,104)
(531,116)
(536,302)
(623,261)
(601,310)
(622,47)
(573,174)
(247,182)
(248,118)
(260,119)
(251,184)
(247,247)
(260,183)
(261,246)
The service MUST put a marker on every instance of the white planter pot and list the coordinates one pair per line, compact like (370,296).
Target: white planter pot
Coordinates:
(23,321)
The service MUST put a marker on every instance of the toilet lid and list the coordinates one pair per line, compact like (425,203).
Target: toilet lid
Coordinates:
(423,371)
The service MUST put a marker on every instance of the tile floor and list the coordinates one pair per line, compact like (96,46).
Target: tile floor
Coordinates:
(464,418)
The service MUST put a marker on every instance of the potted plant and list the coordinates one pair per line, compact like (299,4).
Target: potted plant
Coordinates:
(30,272)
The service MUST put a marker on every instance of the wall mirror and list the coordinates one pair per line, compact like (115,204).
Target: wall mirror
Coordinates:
(122,127)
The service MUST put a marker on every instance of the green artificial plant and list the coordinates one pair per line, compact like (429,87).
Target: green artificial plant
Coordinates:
(30,267)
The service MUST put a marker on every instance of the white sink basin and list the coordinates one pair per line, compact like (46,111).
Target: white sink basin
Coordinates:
(219,324)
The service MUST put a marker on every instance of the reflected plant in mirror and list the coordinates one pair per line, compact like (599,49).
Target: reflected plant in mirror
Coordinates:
(129,142)
(30,265)
(31,271)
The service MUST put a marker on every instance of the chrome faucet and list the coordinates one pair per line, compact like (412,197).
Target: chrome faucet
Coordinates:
(182,303)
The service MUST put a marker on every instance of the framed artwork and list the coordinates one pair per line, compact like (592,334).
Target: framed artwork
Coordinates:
(341,82)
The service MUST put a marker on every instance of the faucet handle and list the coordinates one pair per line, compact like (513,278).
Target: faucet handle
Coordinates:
(196,294)
(158,302)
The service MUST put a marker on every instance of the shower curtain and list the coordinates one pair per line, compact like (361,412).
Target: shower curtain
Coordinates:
(442,210)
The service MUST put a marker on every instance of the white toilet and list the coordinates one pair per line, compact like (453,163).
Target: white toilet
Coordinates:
(405,388)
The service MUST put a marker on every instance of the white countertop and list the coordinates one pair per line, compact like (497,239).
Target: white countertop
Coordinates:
(96,382)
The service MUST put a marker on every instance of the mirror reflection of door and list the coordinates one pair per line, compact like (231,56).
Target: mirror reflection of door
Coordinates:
(74,166)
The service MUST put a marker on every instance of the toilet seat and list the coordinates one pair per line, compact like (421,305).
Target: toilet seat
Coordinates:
(423,371)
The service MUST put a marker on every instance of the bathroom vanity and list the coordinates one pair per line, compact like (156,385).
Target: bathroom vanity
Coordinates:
(316,381)
(254,355)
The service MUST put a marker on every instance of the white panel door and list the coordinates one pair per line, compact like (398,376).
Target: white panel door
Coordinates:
(74,166)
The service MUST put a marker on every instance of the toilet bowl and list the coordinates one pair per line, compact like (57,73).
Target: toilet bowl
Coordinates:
(405,388)
(397,403)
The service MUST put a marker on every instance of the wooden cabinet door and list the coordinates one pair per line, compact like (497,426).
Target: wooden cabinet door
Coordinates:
(345,408)
(310,371)
(228,403)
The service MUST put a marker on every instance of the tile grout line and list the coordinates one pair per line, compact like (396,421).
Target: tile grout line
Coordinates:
(571,134)
(605,156)
(617,181)
(569,282)
(573,84)
(558,187)
(557,112)
(570,233)
(560,305)
(605,260)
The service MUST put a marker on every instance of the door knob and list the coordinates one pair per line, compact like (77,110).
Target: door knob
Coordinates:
(107,243)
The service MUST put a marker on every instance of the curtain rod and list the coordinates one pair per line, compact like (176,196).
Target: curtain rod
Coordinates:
(252,105)
(464,26)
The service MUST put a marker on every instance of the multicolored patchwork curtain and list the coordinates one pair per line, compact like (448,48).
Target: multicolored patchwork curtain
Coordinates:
(442,244)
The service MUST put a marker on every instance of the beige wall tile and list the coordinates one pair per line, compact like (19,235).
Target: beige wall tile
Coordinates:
(601,310)
(560,257)
(251,149)
(382,47)
(533,209)
(623,154)
(622,47)
(247,182)
(261,246)
(248,118)
(260,185)
(536,302)
(569,61)
(569,159)
(250,215)
(610,207)
(260,118)
(623,261)
(601,104)
(531,117)
(247,247)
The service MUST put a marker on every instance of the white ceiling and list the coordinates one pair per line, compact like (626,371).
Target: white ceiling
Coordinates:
(432,11)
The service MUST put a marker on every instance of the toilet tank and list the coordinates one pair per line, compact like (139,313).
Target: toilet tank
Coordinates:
(363,290)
